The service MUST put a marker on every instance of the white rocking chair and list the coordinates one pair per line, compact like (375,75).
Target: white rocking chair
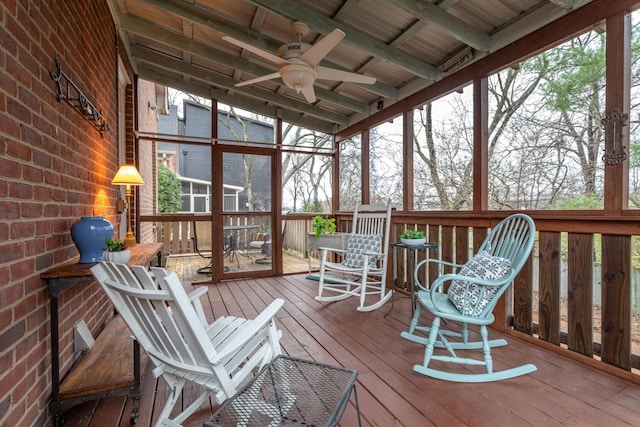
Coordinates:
(362,272)
(217,357)
(473,293)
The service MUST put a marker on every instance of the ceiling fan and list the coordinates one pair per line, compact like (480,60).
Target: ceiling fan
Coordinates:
(298,62)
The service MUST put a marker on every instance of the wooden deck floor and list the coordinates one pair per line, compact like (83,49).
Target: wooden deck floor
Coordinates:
(560,392)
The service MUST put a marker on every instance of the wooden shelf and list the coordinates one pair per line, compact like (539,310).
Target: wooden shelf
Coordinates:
(106,366)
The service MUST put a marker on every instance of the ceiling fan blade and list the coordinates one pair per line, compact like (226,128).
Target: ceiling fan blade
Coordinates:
(326,73)
(253,49)
(258,79)
(309,94)
(318,51)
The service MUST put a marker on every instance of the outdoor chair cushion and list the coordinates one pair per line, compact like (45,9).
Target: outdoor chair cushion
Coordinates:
(470,298)
(357,245)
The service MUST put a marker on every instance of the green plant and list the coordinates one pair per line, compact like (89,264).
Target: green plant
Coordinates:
(412,234)
(323,225)
(169,191)
(115,245)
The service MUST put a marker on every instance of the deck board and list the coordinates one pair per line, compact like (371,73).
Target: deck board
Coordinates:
(561,392)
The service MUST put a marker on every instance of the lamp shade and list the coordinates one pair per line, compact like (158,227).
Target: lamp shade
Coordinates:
(127,175)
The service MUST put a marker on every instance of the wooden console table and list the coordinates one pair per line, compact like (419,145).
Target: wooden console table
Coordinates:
(112,367)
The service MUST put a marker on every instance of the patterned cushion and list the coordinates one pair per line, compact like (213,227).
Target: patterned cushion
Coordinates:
(357,245)
(471,298)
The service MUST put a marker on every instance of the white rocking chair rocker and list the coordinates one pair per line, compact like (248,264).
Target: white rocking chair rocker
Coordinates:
(170,327)
(363,270)
(474,291)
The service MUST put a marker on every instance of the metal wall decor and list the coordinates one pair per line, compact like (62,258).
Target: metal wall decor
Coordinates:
(613,123)
(77,99)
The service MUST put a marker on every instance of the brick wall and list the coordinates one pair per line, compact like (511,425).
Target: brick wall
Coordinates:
(54,167)
(147,122)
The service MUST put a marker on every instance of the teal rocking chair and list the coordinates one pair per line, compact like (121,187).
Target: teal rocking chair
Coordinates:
(473,293)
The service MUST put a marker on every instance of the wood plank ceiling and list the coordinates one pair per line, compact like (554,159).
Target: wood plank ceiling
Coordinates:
(406,45)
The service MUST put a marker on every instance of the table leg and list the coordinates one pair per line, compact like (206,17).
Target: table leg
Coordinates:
(394,278)
(412,282)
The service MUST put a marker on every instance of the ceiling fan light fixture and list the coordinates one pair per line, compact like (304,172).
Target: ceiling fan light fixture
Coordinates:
(299,62)
(298,76)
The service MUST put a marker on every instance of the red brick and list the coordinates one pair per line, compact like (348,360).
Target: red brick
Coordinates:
(52,178)
(6,317)
(44,228)
(42,159)
(31,210)
(7,41)
(9,125)
(10,251)
(18,410)
(35,247)
(5,363)
(36,318)
(20,230)
(18,72)
(19,150)
(32,174)
(22,386)
(11,293)
(16,29)
(50,210)
(20,190)
(25,345)
(9,168)
(45,195)
(4,233)
(24,306)
(12,335)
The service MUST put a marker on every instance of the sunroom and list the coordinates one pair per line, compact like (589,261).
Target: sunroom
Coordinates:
(457,114)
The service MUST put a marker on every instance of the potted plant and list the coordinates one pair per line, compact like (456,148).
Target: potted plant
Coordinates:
(323,225)
(413,237)
(116,251)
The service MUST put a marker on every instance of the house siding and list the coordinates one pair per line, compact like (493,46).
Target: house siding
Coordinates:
(54,167)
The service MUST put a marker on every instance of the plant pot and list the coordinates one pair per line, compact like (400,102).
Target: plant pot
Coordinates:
(120,257)
(414,242)
(88,234)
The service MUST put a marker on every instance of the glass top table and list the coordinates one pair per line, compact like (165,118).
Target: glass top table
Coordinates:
(290,391)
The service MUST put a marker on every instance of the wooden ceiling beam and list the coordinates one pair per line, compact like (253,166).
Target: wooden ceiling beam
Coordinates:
(456,28)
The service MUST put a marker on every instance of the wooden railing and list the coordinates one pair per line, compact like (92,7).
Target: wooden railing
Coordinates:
(538,306)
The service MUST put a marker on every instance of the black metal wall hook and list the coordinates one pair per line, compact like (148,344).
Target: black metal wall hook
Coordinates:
(77,99)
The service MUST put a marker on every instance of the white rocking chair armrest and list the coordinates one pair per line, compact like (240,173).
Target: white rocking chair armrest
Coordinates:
(173,365)
(249,330)
(373,254)
(328,249)
(197,293)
